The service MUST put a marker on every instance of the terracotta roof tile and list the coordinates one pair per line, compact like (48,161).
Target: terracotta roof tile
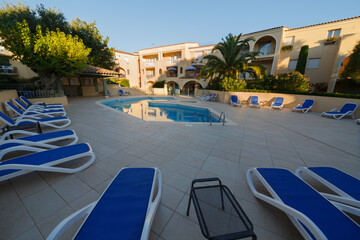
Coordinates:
(97,70)
(345,19)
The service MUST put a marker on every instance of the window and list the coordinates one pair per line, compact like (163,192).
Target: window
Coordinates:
(334,33)
(181,70)
(142,71)
(128,71)
(264,48)
(313,63)
(289,41)
(160,71)
(292,64)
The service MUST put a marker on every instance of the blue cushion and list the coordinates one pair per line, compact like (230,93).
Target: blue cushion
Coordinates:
(6,118)
(51,119)
(20,103)
(39,137)
(343,181)
(300,196)
(348,107)
(121,211)
(45,156)
(234,98)
(308,103)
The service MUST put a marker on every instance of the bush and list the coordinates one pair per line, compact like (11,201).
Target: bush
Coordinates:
(214,84)
(159,84)
(294,82)
(233,85)
(124,82)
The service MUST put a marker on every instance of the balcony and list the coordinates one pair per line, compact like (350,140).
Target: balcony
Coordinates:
(150,76)
(171,62)
(171,74)
(149,64)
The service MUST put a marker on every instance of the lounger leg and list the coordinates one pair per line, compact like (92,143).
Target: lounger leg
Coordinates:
(188,208)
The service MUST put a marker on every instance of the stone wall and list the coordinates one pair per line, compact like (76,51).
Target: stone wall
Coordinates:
(322,104)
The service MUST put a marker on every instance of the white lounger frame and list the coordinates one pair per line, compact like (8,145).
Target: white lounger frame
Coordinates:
(357,121)
(40,104)
(43,144)
(278,107)
(36,107)
(150,213)
(294,215)
(238,103)
(47,167)
(33,119)
(37,113)
(304,110)
(343,197)
(340,115)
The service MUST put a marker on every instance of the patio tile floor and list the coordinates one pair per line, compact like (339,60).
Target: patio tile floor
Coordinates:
(32,205)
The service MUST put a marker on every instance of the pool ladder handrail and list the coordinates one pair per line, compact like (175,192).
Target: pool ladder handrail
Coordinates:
(222,114)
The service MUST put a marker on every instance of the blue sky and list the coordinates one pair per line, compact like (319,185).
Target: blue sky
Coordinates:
(133,25)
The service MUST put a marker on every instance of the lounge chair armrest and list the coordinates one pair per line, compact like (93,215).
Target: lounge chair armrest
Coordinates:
(21,148)
(35,125)
(285,208)
(7,133)
(70,220)
(153,207)
(333,110)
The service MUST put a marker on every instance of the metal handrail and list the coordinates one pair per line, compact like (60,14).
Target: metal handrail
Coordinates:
(222,115)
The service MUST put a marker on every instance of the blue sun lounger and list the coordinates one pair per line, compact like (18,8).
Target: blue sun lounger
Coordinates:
(45,140)
(278,103)
(45,160)
(55,122)
(306,106)
(345,186)
(41,104)
(311,213)
(347,110)
(36,107)
(122,93)
(37,113)
(234,101)
(254,101)
(124,211)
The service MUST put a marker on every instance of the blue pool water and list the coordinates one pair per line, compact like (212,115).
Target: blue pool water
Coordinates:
(160,109)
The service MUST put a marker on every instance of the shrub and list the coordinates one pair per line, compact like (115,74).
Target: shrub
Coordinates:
(214,84)
(352,69)
(159,84)
(124,82)
(301,63)
(233,85)
(285,82)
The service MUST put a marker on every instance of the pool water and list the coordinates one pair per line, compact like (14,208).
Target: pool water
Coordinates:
(161,109)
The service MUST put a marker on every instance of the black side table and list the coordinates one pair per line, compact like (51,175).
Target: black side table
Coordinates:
(219,214)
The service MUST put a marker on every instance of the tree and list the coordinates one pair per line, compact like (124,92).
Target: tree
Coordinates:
(51,55)
(301,63)
(101,55)
(352,69)
(234,59)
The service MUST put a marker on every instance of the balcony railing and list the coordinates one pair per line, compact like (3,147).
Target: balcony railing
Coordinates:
(171,75)
(171,62)
(150,76)
(149,64)
(41,94)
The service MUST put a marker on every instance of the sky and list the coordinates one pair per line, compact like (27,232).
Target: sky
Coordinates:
(134,25)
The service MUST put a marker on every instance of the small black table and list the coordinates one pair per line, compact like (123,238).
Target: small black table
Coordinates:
(219,214)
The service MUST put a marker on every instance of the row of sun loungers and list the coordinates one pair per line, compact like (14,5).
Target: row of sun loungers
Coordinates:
(124,211)
(315,215)
(347,110)
(121,93)
(208,97)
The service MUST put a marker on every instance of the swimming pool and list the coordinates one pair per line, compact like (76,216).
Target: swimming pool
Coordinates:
(161,109)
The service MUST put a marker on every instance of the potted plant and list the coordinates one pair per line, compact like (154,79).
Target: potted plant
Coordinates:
(287,48)
(331,40)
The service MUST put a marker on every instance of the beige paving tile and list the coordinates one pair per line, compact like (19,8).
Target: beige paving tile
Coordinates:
(43,204)
(93,176)
(28,184)
(71,188)
(180,227)
(171,197)
(31,234)
(8,194)
(162,217)
(14,221)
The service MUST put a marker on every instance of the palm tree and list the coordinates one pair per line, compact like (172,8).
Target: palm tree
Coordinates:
(233,61)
